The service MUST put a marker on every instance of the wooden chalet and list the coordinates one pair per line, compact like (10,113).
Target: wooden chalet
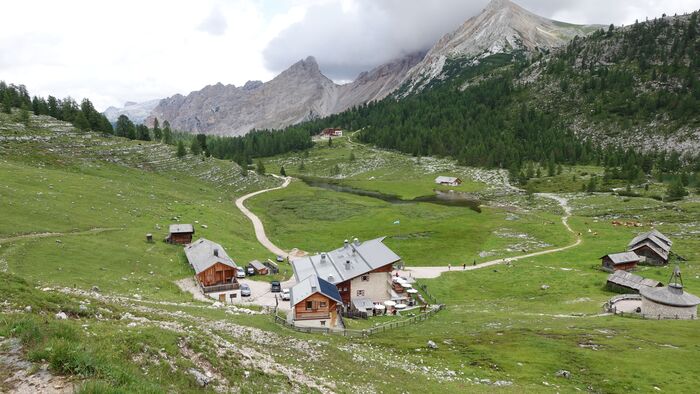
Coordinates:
(314,303)
(626,261)
(627,283)
(359,270)
(214,269)
(180,234)
(653,247)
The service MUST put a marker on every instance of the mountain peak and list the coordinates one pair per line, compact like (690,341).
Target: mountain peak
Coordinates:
(499,4)
(502,27)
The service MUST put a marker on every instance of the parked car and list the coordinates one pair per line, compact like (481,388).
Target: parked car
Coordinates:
(286,295)
(240,273)
(245,290)
(250,270)
(280,259)
(276,286)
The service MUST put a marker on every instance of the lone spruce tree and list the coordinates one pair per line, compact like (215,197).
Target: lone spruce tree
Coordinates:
(181,152)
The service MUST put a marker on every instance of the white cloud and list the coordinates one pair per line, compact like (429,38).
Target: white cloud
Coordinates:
(214,24)
(139,50)
(351,36)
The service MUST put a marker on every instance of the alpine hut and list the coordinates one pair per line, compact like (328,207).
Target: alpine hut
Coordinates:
(214,269)
(180,234)
(626,261)
(314,303)
(653,247)
(627,283)
(360,270)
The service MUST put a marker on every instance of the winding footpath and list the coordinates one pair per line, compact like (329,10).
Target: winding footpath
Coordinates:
(434,272)
(415,272)
(257,224)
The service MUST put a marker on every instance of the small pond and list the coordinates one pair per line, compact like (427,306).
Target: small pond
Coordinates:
(446,198)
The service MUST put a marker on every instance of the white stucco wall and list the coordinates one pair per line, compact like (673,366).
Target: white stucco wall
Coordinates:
(652,310)
(376,289)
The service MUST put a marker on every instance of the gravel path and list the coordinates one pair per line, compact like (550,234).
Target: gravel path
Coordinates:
(46,235)
(257,224)
(434,272)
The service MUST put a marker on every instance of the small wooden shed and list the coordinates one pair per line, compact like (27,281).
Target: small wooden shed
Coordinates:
(260,268)
(626,261)
(180,234)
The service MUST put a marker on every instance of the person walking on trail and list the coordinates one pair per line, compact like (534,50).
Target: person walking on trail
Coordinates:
(464,266)
(474,263)
(449,267)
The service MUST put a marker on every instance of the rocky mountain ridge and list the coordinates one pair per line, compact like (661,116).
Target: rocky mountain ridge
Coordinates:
(298,94)
(501,27)
(303,93)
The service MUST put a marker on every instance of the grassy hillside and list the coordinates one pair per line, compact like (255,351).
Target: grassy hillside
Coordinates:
(500,331)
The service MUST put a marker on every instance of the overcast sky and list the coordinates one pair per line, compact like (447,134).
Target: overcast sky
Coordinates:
(139,50)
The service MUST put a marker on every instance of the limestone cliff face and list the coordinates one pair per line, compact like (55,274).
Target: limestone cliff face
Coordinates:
(501,27)
(299,93)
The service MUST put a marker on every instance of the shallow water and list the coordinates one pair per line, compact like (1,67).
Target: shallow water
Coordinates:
(450,199)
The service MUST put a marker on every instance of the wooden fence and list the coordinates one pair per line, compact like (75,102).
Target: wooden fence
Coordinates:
(359,333)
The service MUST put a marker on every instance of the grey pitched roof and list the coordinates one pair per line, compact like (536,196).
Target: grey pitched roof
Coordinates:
(311,285)
(446,179)
(653,246)
(623,258)
(631,281)
(257,265)
(362,304)
(654,236)
(347,262)
(181,228)
(671,295)
(201,256)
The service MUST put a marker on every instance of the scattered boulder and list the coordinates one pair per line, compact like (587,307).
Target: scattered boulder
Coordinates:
(201,379)
(544,287)
(28,309)
(61,316)
(83,307)
(562,373)
(95,289)
(503,383)
(432,345)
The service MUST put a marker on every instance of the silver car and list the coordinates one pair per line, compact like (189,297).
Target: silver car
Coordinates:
(245,290)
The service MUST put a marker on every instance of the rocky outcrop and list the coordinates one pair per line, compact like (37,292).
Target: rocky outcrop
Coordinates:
(502,27)
(298,94)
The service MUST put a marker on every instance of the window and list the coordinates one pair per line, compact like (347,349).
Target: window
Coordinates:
(309,305)
(360,293)
(365,278)
(323,323)
(322,304)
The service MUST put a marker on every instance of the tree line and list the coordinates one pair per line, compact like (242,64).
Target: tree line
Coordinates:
(83,116)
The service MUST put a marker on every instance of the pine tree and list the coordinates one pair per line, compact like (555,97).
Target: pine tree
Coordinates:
(7,102)
(352,156)
(124,127)
(143,133)
(676,190)
(181,152)
(330,141)
(24,115)
(167,133)
(283,172)
(195,147)
(157,132)
(260,168)
(81,122)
